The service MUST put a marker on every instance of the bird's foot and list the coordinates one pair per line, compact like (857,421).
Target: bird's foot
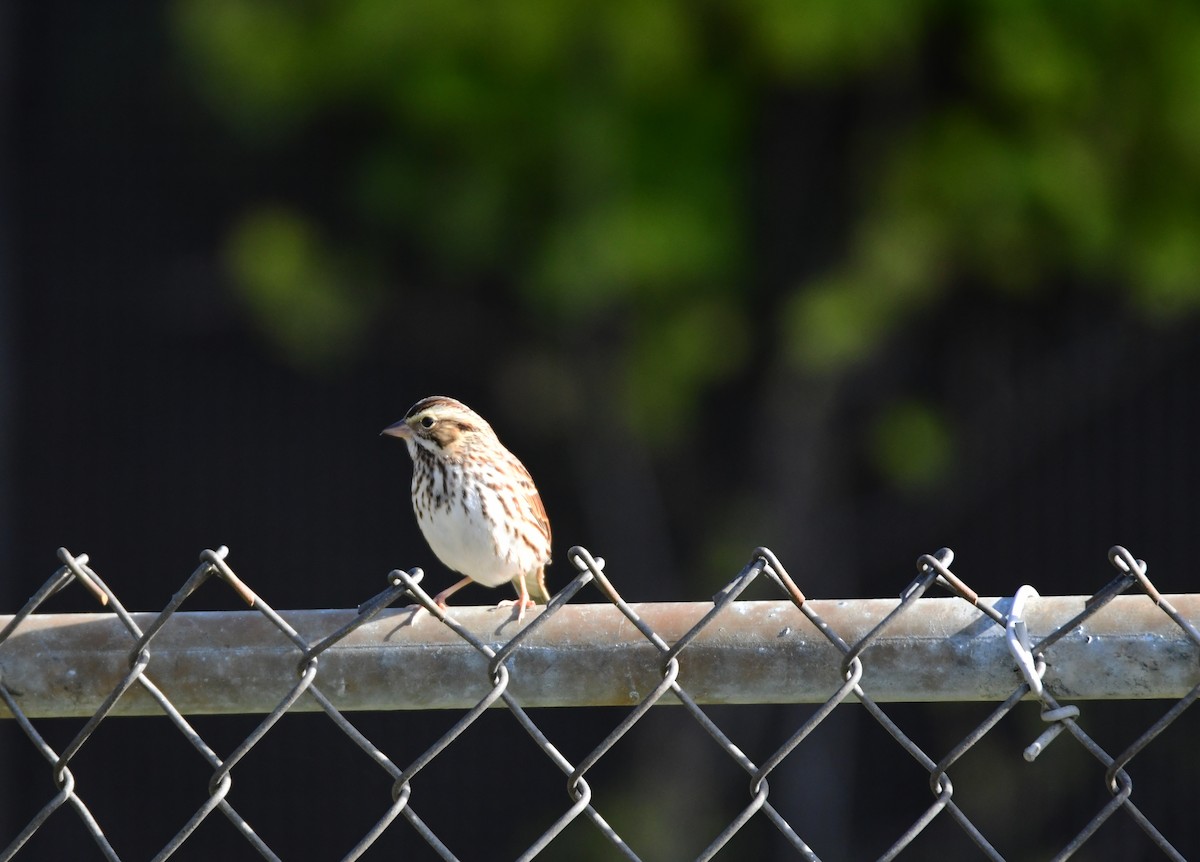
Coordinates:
(417,610)
(520,605)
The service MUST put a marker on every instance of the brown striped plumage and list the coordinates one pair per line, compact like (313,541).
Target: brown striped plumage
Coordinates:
(474,501)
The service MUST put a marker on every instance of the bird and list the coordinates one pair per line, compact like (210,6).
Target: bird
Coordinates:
(475,502)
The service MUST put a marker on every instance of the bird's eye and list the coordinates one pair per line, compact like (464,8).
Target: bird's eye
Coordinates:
(427,421)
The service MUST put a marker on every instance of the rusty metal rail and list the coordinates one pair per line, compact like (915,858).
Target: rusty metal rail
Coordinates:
(942,649)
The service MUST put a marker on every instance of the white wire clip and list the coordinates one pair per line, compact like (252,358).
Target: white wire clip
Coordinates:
(1016,634)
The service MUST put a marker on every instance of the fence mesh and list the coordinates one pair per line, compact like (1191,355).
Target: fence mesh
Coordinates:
(403,804)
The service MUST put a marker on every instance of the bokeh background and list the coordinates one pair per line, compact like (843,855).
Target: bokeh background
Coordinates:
(852,281)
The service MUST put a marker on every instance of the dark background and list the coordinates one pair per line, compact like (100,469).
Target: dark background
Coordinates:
(850,283)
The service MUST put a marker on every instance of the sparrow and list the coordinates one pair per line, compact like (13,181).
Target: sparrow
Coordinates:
(475,502)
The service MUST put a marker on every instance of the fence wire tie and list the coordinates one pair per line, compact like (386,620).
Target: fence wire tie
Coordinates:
(1058,723)
(1016,635)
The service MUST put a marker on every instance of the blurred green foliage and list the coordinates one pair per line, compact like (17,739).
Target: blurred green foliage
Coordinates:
(312,303)
(912,445)
(599,155)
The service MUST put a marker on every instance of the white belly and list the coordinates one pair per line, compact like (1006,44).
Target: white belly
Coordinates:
(467,542)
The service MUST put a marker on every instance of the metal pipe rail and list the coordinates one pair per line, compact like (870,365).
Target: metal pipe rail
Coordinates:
(942,649)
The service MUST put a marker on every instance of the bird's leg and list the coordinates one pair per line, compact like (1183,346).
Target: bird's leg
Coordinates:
(440,598)
(523,600)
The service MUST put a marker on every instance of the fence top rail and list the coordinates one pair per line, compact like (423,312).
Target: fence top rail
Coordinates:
(941,649)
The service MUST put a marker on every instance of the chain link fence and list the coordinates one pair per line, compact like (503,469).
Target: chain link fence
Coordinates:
(180,663)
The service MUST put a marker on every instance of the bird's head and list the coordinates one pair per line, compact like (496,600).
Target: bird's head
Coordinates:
(440,425)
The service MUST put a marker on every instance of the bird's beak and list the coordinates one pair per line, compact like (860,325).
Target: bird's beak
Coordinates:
(398,429)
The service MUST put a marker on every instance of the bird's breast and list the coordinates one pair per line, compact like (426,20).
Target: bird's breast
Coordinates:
(471,527)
